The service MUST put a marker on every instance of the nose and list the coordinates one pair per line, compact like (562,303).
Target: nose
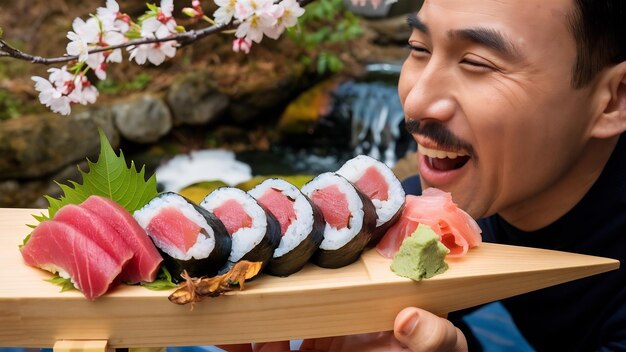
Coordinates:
(427,91)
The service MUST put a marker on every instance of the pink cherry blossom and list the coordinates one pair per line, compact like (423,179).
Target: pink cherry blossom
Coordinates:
(50,96)
(63,88)
(154,53)
(242,44)
(112,18)
(195,11)
(161,22)
(258,17)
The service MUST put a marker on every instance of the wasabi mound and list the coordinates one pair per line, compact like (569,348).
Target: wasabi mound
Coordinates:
(421,255)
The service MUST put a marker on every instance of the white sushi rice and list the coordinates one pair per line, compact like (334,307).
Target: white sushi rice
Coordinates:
(204,244)
(301,226)
(336,238)
(246,238)
(355,168)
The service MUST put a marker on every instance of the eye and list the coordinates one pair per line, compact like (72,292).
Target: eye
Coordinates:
(418,50)
(478,65)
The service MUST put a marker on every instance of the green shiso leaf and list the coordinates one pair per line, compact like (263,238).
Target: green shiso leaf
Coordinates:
(108,177)
(162,282)
(66,284)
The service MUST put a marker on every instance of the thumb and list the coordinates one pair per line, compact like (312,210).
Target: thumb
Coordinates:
(422,331)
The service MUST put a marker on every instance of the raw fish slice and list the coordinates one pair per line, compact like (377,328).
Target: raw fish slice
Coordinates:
(350,219)
(301,225)
(97,230)
(174,228)
(144,265)
(435,208)
(334,206)
(378,182)
(280,206)
(59,247)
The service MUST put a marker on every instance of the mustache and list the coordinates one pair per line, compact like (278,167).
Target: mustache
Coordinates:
(439,134)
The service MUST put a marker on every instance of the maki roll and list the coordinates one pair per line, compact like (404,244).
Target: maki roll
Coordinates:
(189,237)
(350,219)
(255,232)
(380,184)
(301,225)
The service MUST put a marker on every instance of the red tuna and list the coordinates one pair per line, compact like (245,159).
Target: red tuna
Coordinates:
(55,246)
(334,205)
(280,206)
(233,216)
(144,265)
(174,228)
(97,230)
(373,184)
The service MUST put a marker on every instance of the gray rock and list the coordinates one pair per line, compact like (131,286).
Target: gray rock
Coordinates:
(142,118)
(194,100)
(30,193)
(37,145)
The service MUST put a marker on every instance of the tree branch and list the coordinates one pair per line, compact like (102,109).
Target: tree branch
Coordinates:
(183,39)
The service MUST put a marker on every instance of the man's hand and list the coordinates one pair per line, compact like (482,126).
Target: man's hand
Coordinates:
(415,330)
(422,331)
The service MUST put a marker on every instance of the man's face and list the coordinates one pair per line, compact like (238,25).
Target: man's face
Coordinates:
(489,84)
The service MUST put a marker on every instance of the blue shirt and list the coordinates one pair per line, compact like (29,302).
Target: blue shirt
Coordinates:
(583,315)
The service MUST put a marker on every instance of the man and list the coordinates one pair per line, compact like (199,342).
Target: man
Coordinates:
(530,97)
(528,101)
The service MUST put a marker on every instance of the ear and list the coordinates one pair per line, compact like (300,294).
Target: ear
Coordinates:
(611,121)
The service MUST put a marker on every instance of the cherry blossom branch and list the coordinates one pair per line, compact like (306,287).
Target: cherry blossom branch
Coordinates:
(184,38)
(96,42)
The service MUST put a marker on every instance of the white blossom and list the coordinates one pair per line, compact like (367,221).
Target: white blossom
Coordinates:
(258,16)
(292,10)
(112,18)
(163,21)
(85,34)
(224,14)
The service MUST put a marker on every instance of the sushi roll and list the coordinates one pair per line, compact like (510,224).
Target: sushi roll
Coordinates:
(301,225)
(189,237)
(254,231)
(350,219)
(381,185)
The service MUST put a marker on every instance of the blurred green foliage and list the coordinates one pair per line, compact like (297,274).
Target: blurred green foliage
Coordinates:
(12,106)
(325,23)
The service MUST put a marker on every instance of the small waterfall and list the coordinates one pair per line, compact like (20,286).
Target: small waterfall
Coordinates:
(376,117)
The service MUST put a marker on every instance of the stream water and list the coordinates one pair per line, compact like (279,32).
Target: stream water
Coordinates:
(365,118)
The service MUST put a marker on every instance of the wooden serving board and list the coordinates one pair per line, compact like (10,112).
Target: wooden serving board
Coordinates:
(315,302)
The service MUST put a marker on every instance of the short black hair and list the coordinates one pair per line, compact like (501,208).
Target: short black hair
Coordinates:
(599,28)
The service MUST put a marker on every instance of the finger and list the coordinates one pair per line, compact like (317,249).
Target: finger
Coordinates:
(278,346)
(422,331)
(242,347)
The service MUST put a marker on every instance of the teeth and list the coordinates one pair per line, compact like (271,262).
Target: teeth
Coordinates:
(439,154)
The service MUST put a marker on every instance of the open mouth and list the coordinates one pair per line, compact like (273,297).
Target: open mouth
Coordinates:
(441,160)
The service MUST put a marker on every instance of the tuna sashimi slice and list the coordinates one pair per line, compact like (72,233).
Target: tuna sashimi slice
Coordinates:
(435,208)
(146,260)
(97,230)
(373,184)
(334,206)
(280,206)
(173,228)
(233,216)
(56,246)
